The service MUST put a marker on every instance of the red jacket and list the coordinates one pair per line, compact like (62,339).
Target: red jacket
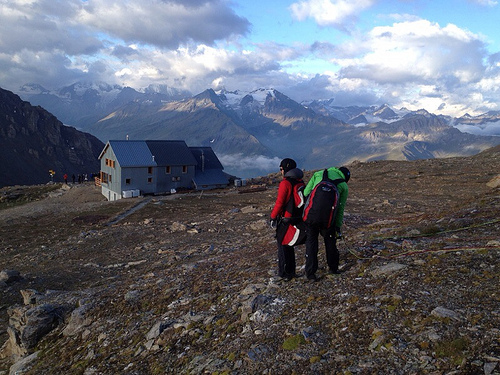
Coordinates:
(285,192)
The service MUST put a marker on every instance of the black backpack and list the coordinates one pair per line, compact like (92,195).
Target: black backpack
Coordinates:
(295,205)
(321,205)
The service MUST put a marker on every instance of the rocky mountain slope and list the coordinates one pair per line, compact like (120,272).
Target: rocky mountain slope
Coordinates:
(186,283)
(33,141)
(197,120)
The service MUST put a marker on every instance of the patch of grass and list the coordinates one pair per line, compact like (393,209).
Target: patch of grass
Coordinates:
(79,367)
(424,345)
(452,349)
(376,333)
(315,359)
(156,368)
(392,303)
(430,230)
(353,299)
(433,260)
(293,342)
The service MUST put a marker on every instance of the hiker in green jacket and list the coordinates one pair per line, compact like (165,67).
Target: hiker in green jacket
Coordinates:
(331,234)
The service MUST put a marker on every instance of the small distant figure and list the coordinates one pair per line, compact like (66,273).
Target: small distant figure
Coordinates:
(73,178)
(79,178)
(65,178)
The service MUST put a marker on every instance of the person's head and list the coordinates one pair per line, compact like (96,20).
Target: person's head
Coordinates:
(346,173)
(287,164)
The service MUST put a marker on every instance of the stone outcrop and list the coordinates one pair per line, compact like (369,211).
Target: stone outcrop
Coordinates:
(40,314)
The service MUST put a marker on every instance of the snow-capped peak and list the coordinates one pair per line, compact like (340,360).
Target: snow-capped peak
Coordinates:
(33,89)
(234,98)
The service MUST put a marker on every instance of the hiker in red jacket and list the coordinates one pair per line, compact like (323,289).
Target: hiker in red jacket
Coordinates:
(285,214)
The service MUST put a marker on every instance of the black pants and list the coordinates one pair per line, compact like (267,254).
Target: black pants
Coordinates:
(332,253)
(286,260)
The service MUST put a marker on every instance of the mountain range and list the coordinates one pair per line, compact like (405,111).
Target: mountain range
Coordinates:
(252,131)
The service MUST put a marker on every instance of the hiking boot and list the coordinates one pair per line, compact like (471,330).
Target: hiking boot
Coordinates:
(336,272)
(312,278)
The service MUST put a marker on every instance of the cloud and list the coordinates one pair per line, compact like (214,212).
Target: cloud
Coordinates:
(489,128)
(336,13)
(489,3)
(245,166)
(165,24)
(414,63)
(44,26)
(69,37)
(195,67)
(46,68)
(77,26)
(418,51)
(330,86)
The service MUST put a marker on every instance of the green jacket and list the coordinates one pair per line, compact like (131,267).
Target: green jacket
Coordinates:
(333,174)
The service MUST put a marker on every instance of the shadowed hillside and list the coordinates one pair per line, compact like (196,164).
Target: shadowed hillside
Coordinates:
(33,141)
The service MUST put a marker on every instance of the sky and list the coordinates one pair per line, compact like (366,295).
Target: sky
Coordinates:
(442,56)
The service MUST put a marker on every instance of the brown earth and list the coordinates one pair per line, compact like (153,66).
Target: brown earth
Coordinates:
(419,295)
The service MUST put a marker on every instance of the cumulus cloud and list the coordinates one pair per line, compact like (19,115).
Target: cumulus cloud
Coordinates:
(490,128)
(44,26)
(336,13)
(195,67)
(418,51)
(74,34)
(414,63)
(165,24)
(77,26)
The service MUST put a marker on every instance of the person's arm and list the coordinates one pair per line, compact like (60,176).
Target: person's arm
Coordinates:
(284,191)
(343,193)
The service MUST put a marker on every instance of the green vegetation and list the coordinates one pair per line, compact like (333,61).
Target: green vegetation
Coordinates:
(452,349)
(293,342)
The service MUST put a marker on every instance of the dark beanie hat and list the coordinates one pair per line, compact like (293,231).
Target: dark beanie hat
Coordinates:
(288,164)
(346,172)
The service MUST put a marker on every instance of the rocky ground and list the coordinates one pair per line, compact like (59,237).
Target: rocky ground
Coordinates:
(185,284)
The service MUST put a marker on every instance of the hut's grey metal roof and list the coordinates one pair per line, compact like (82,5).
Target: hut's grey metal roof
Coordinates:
(151,153)
(132,153)
(206,158)
(210,177)
(171,153)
